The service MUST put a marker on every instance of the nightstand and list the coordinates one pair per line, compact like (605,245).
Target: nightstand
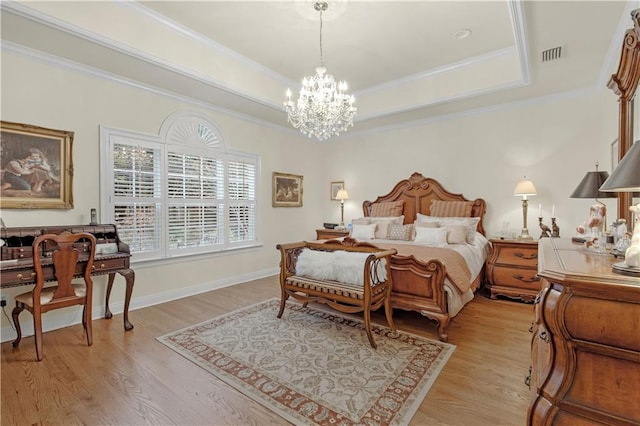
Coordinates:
(330,234)
(512,269)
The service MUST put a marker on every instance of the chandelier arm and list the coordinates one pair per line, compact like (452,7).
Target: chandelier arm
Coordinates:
(321,58)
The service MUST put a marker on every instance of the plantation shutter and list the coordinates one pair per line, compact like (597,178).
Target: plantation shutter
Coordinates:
(241,189)
(195,189)
(137,196)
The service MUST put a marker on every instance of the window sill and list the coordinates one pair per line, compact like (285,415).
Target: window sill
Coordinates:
(148,263)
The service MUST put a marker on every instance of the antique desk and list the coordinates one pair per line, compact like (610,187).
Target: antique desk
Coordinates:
(112,256)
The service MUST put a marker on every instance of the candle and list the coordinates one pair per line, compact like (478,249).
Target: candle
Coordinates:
(553,210)
(540,210)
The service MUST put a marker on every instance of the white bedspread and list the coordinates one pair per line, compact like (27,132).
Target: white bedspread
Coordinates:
(474,254)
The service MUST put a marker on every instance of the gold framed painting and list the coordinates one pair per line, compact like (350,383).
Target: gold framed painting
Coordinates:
(335,188)
(36,166)
(287,190)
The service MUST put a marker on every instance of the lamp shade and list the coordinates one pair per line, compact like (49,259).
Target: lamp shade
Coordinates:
(524,187)
(626,176)
(342,195)
(589,186)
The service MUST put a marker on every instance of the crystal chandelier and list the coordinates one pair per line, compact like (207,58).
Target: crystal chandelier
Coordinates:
(323,108)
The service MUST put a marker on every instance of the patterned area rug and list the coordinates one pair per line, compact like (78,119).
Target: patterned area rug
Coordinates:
(315,367)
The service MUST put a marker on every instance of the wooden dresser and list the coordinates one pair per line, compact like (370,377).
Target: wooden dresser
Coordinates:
(512,269)
(585,346)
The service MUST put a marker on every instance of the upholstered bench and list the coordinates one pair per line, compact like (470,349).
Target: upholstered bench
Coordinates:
(346,275)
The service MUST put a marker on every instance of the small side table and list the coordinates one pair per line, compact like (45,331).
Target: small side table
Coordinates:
(512,269)
(330,234)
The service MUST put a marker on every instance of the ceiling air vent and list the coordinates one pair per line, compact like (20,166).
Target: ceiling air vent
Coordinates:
(551,54)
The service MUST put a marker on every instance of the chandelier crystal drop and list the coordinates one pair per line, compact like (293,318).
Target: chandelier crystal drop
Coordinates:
(323,109)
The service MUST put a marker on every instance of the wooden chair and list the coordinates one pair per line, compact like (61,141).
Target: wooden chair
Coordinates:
(65,253)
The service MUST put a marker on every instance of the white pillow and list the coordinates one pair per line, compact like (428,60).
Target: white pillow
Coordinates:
(363,232)
(470,223)
(456,234)
(395,219)
(432,236)
(382,229)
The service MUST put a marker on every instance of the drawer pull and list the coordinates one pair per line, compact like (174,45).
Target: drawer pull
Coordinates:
(544,336)
(525,256)
(531,328)
(102,265)
(526,280)
(527,380)
(22,277)
(537,300)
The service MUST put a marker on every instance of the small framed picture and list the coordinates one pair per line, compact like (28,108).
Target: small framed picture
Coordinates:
(37,167)
(287,190)
(335,187)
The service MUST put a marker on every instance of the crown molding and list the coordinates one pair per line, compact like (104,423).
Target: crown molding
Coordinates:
(55,61)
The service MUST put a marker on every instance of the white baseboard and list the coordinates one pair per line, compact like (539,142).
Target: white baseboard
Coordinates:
(73,316)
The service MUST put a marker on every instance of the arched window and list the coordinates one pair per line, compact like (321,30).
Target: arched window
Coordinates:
(182,192)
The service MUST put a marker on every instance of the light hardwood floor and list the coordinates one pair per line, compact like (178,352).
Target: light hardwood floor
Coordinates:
(131,379)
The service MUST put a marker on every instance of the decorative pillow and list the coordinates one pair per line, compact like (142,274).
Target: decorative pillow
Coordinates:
(471,223)
(361,221)
(456,234)
(431,236)
(395,219)
(400,232)
(451,208)
(417,224)
(387,208)
(382,228)
(363,232)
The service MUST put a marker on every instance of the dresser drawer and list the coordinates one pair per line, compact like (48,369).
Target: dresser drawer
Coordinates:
(518,256)
(516,277)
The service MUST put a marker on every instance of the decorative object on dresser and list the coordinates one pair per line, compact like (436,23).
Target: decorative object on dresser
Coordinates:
(589,187)
(523,189)
(323,109)
(585,348)
(329,234)
(512,269)
(430,280)
(546,231)
(626,178)
(112,256)
(555,229)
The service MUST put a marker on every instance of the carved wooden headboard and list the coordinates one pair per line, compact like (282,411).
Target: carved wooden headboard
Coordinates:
(417,193)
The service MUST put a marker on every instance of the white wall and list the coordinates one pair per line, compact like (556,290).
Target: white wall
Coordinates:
(554,143)
(52,97)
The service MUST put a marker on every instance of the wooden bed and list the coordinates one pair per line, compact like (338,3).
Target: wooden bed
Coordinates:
(418,285)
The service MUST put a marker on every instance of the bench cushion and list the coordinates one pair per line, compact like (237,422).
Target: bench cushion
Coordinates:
(341,266)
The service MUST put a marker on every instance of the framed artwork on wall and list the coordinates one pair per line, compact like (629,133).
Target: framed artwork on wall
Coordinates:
(287,190)
(335,187)
(36,166)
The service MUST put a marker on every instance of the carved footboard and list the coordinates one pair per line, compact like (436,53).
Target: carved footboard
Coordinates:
(419,286)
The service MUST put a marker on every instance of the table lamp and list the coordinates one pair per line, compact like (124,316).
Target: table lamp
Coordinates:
(342,195)
(589,187)
(524,188)
(626,178)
